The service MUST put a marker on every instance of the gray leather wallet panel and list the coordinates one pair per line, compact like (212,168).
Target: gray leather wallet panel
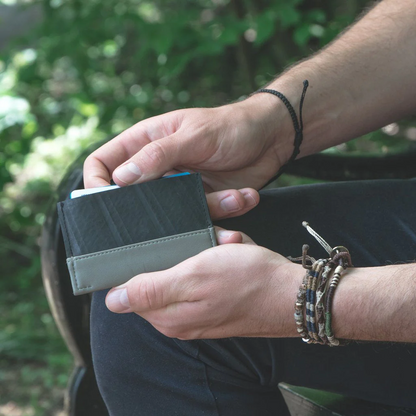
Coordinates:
(113,267)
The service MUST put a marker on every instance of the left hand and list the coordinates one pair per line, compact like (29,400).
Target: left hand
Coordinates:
(234,289)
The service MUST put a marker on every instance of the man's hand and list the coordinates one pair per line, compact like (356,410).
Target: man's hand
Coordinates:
(233,146)
(241,289)
(234,289)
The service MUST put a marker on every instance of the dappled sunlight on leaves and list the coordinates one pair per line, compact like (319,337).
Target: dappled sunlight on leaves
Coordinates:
(12,409)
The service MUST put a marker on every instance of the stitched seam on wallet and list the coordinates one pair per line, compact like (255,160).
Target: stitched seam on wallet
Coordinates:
(77,260)
(75,278)
(61,206)
(210,236)
(204,203)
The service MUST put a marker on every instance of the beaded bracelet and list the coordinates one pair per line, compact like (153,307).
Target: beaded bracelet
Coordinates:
(301,296)
(300,302)
(316,293)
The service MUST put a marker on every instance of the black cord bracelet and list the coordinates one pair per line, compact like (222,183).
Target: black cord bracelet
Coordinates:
(297,124)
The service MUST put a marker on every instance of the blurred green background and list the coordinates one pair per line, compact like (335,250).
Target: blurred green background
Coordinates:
(73,72)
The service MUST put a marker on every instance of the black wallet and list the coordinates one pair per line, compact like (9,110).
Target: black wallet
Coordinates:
(114,235)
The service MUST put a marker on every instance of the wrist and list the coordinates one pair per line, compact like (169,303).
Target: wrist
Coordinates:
(285,281)
(325,107)
(270,121)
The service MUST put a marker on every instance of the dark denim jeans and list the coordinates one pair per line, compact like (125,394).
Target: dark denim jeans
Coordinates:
(142,372)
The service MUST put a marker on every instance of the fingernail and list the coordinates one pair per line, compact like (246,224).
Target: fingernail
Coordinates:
(118,301)
(225,233)
(230,204)
(250,201)
(128,173)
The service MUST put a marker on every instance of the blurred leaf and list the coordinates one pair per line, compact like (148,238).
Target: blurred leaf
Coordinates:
(265,24)
(316,15)
(302,34)
(231,32)
(287,13)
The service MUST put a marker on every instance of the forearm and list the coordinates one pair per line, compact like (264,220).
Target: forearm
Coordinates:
(377,303)
(370,304)
(362,81)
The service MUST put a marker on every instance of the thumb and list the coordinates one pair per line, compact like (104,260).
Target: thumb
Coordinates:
(146,292)
(152,161)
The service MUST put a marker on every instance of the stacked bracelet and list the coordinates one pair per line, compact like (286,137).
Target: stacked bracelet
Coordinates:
(316,293)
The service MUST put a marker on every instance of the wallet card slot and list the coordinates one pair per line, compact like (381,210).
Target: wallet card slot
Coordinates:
(112,267)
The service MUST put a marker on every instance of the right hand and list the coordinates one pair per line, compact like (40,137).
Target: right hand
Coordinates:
(233,146)
(214,294)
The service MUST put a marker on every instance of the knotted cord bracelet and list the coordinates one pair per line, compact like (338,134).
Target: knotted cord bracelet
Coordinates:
(316,293)
(297,124)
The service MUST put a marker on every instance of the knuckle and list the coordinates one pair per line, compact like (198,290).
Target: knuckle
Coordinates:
(239,197)
(155,152)
(168,331)
(192,275)
(185,336)
(172,329)
(145,294)
(88,161)
(189,334)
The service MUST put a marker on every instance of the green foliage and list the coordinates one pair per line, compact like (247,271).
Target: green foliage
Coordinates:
(96,67)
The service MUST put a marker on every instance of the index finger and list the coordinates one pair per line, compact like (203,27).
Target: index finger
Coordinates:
(99,165)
